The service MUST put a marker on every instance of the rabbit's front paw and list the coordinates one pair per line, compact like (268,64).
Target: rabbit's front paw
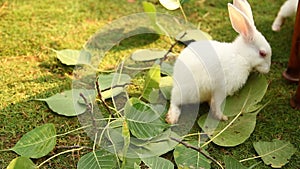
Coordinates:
(220,116)
(171,119)
(173,114)
(276,27)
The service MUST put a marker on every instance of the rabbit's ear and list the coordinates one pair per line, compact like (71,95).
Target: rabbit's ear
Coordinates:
(241,23)
(245,7)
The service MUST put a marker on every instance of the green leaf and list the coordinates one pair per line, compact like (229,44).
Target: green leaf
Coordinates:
(170,4)
(151,86)
(236,133)
(233,163)
(194,160)
(110,81)
(191,35)
(254,90)
(63,103)
(157,146)
(238,108)
(167,69)
(142,120)
(73,57)
(130,163)
(37,143)
(141,148)
(148,54)
(275,153)
(106,81)
(21,163)
(158,163)
(165,86)
(97,160)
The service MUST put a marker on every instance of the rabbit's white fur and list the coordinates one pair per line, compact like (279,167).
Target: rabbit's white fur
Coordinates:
(287,9)
(208,71)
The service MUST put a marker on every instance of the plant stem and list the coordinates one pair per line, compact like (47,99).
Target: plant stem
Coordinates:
(73,147)
(198,149)
(193,134)
(90,110)
(64,152)
(182,11)
(5,150)
(171,48)
(101,98)
(80,128)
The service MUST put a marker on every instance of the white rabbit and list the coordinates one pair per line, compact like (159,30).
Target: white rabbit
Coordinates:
(288,9)
(208,71)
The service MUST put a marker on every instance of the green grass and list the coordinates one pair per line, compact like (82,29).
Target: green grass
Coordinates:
(29,69)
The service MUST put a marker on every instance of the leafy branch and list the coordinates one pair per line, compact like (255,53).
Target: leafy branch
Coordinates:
(198,149)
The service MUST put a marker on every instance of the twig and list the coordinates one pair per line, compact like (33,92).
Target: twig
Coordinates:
(169,51)
(121,85)
(90,110)
(171,48)
(101,99)
(89,106)
(198,149)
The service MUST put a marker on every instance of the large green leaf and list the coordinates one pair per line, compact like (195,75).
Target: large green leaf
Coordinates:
(73,57)
(151,86)
(232,132)
(142,120)
(156,162)
(149,54)
(251,94)
(97,160)
(241,109)
(275,153)
(21,163)
(37,143)
(63,104)
(232,163)
(186,158)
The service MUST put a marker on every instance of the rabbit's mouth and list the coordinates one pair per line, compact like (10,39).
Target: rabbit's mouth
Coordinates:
(263,69)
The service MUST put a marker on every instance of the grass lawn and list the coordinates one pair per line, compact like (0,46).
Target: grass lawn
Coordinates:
(30,70)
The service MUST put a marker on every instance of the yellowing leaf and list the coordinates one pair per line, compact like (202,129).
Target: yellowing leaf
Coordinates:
(21,163)
(151,86)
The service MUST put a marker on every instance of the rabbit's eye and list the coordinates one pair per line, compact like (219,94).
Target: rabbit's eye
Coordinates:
(262,53)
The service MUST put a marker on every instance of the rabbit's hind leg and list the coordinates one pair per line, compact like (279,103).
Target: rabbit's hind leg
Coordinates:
(215,107)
